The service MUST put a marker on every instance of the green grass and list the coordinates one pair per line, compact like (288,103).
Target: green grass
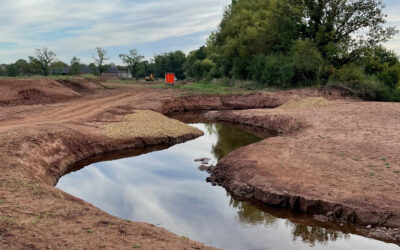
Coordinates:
(185,238)
(8,220)
(201,88)
(137,245)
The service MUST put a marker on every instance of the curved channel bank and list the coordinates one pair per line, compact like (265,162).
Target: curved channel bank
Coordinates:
(41,143)
(37,150)
(333,161)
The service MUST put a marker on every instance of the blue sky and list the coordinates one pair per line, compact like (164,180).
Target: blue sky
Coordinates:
(75,27)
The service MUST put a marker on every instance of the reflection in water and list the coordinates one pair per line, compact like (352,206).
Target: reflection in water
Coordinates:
(249,214)
(312,235)
(229,138)
(166,188)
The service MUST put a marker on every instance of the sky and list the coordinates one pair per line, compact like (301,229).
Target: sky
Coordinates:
(75,27)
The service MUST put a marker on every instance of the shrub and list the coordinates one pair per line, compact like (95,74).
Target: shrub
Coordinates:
(391,76)
(306,61)
(351,75)
(300,67)
(278,71)
(363,86)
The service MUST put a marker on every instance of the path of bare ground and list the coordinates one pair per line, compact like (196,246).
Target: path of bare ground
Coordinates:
(339,161)
(40,143)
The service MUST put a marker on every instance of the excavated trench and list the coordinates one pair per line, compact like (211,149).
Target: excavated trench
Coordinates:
(163,185)
(46,152)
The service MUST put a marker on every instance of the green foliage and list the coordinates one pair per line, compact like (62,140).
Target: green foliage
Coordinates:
(391,76)
(197,64)
(374,60)
(300,66)
(23,67)
(75,66)
(100,57)
(133,60)
(172,62)
(12,70)
(364,86)
(57,68)
(288,43)
(42,60)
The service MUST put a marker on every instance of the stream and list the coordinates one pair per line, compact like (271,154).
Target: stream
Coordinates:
(166,188)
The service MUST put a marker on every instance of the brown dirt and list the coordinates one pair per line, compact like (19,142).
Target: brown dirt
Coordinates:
(30,91)
(40,143)
(339,160)
(82,85)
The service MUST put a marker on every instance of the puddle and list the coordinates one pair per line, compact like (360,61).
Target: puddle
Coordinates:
(165,188)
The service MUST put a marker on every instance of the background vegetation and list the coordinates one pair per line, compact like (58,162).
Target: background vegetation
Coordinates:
(270,44)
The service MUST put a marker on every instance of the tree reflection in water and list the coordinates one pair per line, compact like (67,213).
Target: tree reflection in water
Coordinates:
(231,138)
(249,214)
(313,235)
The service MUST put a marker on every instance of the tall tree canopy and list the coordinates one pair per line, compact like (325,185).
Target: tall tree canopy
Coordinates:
(132,60)
(43,58)
(336,28)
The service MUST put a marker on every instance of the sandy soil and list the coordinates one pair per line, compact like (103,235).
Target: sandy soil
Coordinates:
(40,143)
(339,159)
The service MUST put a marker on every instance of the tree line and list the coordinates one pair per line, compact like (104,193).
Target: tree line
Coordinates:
(273,43)
(45,63)
(294,43)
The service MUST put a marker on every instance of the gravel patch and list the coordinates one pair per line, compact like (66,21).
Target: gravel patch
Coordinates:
(146,123)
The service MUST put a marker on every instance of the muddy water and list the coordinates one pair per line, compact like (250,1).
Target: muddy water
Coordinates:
(166,188)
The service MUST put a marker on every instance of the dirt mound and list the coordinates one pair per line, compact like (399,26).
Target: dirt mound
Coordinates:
(82,85)
(33,91)
(146,123)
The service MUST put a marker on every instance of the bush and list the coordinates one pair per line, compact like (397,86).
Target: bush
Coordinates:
(202,68)
(391,76)
(300,67)
(351,75)
(307,63)
(278,71)
(366,87)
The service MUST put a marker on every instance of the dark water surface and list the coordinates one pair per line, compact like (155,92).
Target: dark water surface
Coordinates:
(166,188)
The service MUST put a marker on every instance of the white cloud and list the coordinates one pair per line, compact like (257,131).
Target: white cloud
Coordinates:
(75,27)
(394,20)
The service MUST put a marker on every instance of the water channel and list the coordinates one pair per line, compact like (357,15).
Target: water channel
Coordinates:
(166,188)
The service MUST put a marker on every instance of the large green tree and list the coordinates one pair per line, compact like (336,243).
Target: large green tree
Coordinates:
(340,26)
(172,62)
(132,60)
(43,58)
(337,28)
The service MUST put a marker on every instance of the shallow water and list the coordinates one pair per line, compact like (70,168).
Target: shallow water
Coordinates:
(166,188)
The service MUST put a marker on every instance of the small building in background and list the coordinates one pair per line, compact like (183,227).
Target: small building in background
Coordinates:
(111,72)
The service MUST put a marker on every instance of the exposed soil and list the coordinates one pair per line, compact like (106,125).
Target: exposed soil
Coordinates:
(34,91)
(338,160)
(40,143)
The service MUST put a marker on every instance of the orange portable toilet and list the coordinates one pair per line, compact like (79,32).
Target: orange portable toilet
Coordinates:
(170,78)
